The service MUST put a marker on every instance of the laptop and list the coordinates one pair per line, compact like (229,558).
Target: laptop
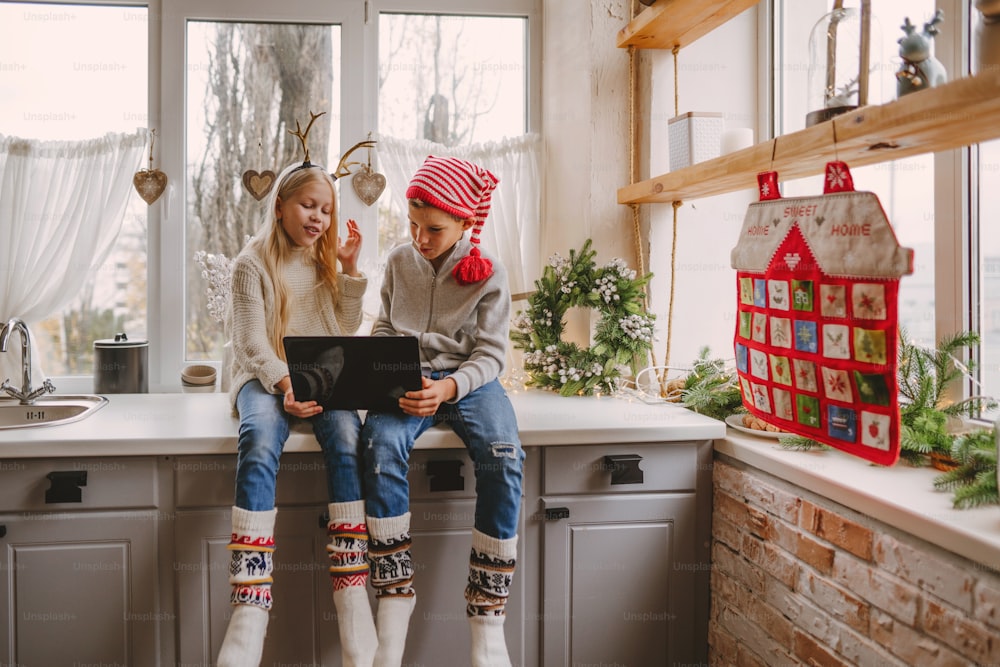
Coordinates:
(353,372)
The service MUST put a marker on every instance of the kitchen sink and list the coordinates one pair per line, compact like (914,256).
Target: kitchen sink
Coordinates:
(49,410)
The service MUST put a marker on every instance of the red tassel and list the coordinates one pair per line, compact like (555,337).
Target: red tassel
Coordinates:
(472,268)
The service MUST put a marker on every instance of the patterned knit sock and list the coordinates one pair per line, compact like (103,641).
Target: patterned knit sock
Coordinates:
(348,550)
(392,578)
(251,545)
(491,570)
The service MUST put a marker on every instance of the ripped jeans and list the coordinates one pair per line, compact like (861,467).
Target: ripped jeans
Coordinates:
(484,419)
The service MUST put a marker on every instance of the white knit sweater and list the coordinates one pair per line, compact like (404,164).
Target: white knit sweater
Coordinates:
(253,308)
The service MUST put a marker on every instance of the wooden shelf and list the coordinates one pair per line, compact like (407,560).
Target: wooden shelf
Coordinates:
(959,113)
(669,23)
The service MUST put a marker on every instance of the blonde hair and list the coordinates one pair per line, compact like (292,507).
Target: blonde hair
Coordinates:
(275,247)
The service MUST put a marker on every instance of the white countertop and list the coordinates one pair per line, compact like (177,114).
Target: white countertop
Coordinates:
(202,423)
(901,496)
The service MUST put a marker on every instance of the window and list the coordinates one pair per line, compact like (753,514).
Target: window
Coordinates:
(937,206)
(986,272)
(905,187)
(237,79)
(68,81)
(226,82)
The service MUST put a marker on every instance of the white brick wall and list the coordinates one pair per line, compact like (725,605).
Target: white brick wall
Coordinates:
(800,580)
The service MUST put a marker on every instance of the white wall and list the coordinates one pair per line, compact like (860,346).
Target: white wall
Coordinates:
(585,124)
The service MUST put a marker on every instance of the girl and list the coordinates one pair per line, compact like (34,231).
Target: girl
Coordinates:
(285,282)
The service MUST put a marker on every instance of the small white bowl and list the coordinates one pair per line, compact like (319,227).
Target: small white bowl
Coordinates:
(198,374)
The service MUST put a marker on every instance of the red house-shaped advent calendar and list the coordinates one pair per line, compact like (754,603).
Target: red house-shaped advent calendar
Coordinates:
(817,325)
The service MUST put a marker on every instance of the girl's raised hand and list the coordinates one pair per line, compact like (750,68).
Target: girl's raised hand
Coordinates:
(349,249)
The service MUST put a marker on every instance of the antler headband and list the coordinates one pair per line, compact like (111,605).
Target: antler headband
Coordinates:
(303,137)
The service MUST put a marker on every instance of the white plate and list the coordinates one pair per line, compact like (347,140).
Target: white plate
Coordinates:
(736,421)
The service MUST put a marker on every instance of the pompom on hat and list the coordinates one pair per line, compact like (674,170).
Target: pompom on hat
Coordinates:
(463,189)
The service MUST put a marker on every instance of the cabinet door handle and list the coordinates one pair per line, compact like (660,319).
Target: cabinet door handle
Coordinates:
(624,468)
(3,531)
(446,475)
(556,513)
(64,486)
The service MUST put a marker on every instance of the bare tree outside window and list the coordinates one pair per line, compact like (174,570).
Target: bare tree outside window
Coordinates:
(451,80)
(249,84)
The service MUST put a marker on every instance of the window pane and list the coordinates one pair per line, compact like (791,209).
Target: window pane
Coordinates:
(805,39)
(452,80)
(76,72)
(906,190)
(988,270)
(248,84)
(904,187)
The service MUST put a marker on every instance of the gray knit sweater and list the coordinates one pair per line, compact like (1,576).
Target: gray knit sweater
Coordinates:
(462,327)
(253,308)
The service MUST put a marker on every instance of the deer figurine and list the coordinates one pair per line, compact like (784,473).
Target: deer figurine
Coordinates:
(919,69)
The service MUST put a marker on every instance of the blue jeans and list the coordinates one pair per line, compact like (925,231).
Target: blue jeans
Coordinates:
(485,421)
(263,432)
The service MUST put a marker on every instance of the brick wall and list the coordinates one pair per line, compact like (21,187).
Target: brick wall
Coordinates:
(800,580)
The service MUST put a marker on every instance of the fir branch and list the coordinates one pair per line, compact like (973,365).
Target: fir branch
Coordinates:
(801,443)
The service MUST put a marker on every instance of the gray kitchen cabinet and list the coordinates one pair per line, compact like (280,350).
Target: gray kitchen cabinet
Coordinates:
(442,508)
(124,561)
(625,538)
(82,563)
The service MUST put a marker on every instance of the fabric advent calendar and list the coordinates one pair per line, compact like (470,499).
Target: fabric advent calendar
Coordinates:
(817,324)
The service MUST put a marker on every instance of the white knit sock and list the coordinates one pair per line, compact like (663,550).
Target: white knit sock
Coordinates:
(250,574)
(244,642)
(358,641)
(348,550)
(392,621)
(489,648)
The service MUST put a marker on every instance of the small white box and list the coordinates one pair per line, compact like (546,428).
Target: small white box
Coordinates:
(694,137)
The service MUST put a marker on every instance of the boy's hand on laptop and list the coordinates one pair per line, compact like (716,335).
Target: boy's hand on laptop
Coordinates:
(426,401)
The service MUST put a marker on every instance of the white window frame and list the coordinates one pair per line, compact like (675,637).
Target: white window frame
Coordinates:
(167,223)
(359,43)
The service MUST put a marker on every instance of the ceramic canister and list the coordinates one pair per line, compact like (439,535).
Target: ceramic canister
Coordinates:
(121,366)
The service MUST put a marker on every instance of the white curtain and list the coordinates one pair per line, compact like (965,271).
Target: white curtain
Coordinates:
(61,207)
(513,228)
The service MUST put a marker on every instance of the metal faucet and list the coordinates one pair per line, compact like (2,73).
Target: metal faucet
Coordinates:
(26,395)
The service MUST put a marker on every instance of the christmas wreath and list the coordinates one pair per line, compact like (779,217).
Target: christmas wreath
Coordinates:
(624,332)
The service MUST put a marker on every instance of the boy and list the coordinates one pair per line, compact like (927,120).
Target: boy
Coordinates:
(443,290)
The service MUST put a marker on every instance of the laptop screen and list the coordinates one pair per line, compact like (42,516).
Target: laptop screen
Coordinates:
(353,372)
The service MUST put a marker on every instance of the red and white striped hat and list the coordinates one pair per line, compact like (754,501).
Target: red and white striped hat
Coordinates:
(460,188)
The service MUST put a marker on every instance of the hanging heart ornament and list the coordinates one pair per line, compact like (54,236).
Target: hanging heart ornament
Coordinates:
(258,184)
(368,184)
(150,184)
